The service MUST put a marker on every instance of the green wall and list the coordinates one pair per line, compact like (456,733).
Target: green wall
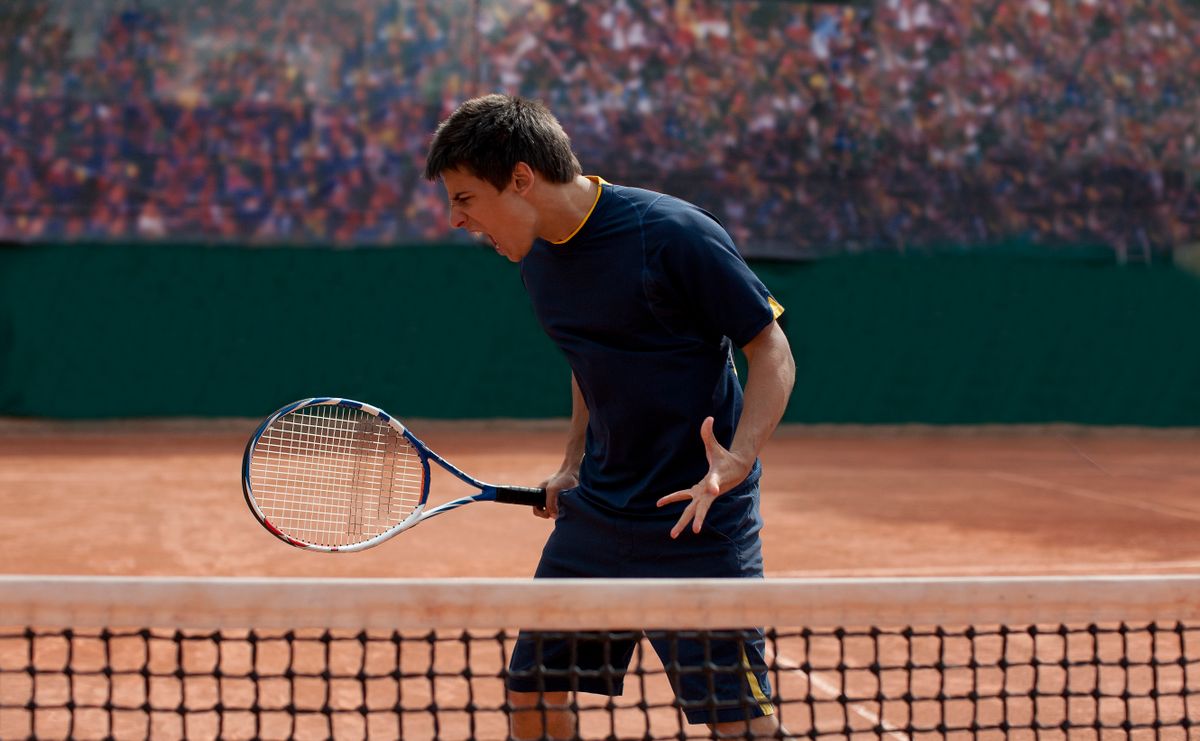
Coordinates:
(130,331)
(98,331)
(970,339)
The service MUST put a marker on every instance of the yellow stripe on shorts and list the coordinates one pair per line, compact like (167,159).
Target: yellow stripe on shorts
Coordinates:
(764,703)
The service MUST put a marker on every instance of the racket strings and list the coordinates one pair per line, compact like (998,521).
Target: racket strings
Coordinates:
(335,476)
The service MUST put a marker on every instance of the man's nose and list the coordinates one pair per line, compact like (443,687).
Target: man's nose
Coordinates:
(458,220)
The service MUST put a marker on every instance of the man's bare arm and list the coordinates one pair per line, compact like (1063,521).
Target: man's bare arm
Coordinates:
(567,475)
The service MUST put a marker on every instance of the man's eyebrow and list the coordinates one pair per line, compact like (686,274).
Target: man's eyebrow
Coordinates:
(459,195)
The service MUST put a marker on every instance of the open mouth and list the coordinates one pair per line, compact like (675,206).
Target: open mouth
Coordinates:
(486,239)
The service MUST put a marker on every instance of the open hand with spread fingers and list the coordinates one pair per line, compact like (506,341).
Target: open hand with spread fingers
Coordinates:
(725,471)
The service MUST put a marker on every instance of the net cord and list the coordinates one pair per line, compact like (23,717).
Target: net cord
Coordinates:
(582,604)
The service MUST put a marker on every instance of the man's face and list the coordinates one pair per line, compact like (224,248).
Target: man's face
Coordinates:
(504,218)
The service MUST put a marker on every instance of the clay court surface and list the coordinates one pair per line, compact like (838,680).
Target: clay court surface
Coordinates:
(164,499)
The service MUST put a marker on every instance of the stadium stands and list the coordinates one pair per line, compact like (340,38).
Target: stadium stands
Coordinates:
(808,129)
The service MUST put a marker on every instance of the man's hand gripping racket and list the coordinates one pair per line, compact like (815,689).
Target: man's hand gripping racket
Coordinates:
(337,475)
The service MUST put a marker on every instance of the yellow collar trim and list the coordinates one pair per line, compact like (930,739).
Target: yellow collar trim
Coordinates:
(599,181)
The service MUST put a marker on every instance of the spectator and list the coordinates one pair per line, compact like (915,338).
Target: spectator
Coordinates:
(806,128)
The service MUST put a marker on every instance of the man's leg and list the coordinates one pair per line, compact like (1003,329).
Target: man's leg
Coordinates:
(761,728)
(539,715)
(721,680)
(546,668)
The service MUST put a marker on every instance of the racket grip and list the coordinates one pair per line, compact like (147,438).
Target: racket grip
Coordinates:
(521,495)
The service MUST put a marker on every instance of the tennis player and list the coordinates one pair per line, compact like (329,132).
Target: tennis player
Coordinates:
(646,295)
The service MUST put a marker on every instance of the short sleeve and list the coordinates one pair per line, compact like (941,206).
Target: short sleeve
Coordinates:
(696,278)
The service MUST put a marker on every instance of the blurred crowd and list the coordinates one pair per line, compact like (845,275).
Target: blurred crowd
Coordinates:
(807,128)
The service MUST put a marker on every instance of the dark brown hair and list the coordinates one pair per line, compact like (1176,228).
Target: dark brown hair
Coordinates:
(488,136)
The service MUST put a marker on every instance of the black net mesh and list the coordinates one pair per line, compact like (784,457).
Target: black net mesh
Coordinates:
(1090,681)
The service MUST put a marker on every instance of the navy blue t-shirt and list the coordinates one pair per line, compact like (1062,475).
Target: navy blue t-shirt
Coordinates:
(644,300)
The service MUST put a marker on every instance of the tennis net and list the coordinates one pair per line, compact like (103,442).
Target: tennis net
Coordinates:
(1079,657)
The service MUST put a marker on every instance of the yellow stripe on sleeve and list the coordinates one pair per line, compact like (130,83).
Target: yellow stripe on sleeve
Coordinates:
(776,307)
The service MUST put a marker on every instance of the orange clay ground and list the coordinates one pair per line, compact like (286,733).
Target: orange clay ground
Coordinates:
(165,499)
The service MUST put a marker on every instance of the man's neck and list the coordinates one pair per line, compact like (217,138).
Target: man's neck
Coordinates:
(565,206)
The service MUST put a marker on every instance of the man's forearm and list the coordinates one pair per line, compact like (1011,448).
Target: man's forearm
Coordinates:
(771,373)
(577,435)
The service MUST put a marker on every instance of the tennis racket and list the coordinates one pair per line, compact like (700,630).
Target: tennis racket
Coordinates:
(336,475)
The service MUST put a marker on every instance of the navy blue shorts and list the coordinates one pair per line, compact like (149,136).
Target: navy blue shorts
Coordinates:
(591,541)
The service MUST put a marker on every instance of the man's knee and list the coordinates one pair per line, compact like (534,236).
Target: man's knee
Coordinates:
(761,728)
(539,715)
(530,700)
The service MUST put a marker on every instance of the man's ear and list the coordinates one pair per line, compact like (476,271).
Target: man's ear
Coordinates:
(523,178)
